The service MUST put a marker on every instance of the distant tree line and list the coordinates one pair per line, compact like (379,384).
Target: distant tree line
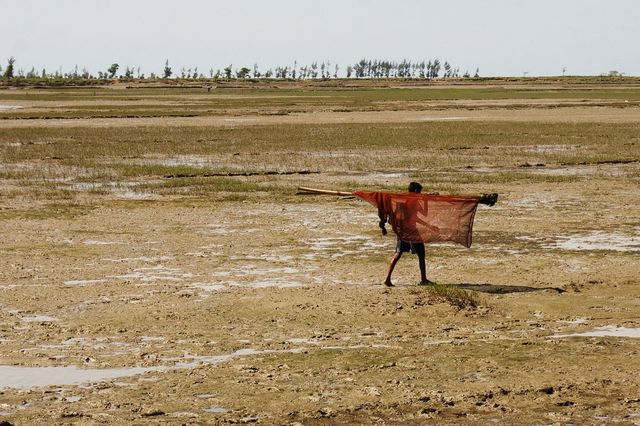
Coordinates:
(365,68)
(404,69)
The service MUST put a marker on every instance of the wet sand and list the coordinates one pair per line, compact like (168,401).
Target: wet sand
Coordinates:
(141,317)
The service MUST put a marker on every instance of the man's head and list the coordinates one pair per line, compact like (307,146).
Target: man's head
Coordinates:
(415,187)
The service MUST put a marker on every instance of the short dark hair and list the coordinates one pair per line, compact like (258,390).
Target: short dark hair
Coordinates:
(415,187)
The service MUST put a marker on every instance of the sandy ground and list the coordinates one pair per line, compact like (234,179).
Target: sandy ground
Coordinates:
(564,115)
(274,313)
(175,311)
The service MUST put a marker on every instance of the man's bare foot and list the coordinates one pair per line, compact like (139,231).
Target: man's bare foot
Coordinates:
(388,283)
(426,282)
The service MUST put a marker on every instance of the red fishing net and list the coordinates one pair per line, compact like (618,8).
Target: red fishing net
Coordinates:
(426,218)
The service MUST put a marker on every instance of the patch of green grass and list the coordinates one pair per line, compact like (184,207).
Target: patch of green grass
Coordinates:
(450,294)
(158,170)
(338,359)
(56,209)
(189,102)
(331,92)
(199,186)
(17,174)
(335,147)
(458,179)
(446,156)
(45,190)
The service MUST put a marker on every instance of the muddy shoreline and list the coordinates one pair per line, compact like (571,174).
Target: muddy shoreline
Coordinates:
(130,297)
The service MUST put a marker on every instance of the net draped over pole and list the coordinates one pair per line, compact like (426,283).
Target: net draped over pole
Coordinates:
(426,218)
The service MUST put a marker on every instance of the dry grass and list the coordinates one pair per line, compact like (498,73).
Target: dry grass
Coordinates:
(451,156)
(438,293)
(196,101)
(85,203)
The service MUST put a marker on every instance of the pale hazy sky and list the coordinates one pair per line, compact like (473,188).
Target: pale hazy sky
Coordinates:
(500,37)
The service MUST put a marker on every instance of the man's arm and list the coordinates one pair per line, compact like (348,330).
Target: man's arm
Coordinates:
(383,220)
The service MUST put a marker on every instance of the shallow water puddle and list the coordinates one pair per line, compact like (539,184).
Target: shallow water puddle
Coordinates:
(39,318)
(208,287)
(549,148)
(568,171)
(206,395)
(180,160)
(324,243)
(135,195)
(141,258)
(270,257)
(576,321)
(98,243)
(81,343)
(597,240)
(275,282)
(215,410)
(298,340)
(156,273)
(32,377)
(350,245)
(152,339)
(607,331)
(253,270)
(252,275)
(10,409)
(119,189)
(82,283)
(230,230)
(269,282)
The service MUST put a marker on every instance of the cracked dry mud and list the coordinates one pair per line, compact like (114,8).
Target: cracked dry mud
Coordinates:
(275,314)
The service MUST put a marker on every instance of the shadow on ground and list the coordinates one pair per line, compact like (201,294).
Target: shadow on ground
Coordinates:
(503,289)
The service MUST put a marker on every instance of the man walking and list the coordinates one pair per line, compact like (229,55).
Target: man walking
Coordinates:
(405,247)
(421,218)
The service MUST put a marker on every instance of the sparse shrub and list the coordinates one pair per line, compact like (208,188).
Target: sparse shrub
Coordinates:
(227,72)
(453,295)
(8,73)
(113,69)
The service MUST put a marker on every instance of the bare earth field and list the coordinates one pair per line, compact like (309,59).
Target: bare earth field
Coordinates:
(157,266)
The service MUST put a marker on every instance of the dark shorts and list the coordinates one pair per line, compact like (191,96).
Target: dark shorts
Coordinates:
(405,247)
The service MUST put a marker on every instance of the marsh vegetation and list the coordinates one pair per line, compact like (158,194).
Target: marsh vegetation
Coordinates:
(159,227)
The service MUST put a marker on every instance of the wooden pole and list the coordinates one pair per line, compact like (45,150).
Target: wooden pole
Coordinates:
(303,190)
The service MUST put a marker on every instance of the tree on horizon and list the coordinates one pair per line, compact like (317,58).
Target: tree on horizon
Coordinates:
(8,73)
(167,69)
(112,70)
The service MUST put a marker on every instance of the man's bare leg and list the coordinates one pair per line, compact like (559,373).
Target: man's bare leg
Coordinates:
(392,265)
(423,270)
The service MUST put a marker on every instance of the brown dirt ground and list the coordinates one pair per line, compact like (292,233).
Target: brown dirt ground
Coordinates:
(551,115)
(163,282)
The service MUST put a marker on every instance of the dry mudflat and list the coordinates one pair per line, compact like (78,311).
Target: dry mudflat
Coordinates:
(128,299)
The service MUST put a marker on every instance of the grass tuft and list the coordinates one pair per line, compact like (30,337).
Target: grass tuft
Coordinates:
(450,294)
